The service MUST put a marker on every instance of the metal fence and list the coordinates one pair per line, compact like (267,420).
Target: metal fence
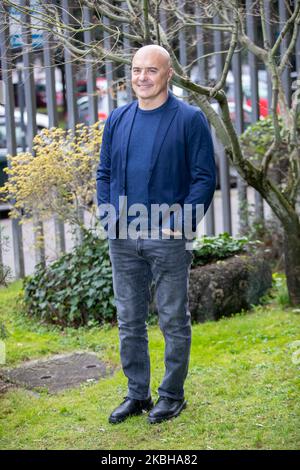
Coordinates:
(26,54)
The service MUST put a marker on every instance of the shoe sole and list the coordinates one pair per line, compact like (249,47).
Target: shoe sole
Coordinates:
(137,413)
(160,419)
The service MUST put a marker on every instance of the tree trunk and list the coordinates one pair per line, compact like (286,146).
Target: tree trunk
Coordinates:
(292,261)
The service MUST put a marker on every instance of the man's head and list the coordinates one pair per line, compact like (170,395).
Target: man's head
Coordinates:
(151,71)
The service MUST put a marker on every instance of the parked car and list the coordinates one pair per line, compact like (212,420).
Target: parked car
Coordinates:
(41,97)
(247,95)
(83,109)
(102,101)
(40,94)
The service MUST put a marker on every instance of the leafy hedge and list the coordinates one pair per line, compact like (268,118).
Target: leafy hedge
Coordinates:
(77,289)
(210,249)
(258,137)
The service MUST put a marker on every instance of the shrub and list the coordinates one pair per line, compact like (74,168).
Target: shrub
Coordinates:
(257,139)
(209,249)
(59,177)
(76,289)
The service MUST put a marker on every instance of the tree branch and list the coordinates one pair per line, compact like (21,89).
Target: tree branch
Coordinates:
(146,22)
(286,29)
(291,46)
(263,24)
(233,44)
(248,43)
(267,158)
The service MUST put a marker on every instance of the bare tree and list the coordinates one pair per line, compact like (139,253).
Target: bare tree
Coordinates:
(145,25)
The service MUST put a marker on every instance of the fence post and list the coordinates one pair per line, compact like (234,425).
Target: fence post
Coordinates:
(239,125)
(108,67)
(71,98)
(127,49)
(6,66)
(286,74)
(90,69)
(60,241)
(31,129)
(223,160)
(201,78)
(255,104)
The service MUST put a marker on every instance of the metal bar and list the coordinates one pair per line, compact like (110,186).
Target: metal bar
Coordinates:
(31,130)
(108,67)
(239,125)
(127,49)
(255,104)
(252,61)
(69,73)
(202,69)
(60,241)
(50,78)
(90,69)
(182,39)
(209,220)
(21,104)
(238,92)
(223,163)
(29,88)
(91,77)
(297,52)
(71,100)
(182,44)
(286,74)
(6,66)
(269,32)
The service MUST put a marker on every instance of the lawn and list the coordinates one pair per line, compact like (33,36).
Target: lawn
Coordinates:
(242,388)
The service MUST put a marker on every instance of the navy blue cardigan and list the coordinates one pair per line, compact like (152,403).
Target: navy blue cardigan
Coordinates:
(182,168)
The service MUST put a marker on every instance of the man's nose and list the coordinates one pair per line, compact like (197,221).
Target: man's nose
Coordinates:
(143,74)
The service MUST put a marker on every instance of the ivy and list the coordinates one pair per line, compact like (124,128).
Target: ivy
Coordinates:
(74,290)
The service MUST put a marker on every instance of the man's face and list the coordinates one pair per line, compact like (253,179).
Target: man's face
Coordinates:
(150,74)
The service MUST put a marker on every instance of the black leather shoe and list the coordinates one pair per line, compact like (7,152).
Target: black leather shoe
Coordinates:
(130,407)
(166,408)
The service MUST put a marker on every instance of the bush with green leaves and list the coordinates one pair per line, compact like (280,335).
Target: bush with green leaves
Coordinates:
(210,249)
(76,289)
(258,137)
(257,140)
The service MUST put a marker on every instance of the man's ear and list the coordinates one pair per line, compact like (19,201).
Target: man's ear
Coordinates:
(171,72)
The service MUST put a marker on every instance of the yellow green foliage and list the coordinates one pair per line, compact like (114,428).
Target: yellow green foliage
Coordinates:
(59,178)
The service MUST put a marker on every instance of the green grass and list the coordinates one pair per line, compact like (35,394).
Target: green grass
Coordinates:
(242,388)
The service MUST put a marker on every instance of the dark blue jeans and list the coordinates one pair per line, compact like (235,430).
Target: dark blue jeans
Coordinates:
(135,263)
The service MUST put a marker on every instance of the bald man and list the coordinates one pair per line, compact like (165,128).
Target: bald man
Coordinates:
(156,152)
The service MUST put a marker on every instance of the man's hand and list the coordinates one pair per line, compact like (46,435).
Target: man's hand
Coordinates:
(170,232)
